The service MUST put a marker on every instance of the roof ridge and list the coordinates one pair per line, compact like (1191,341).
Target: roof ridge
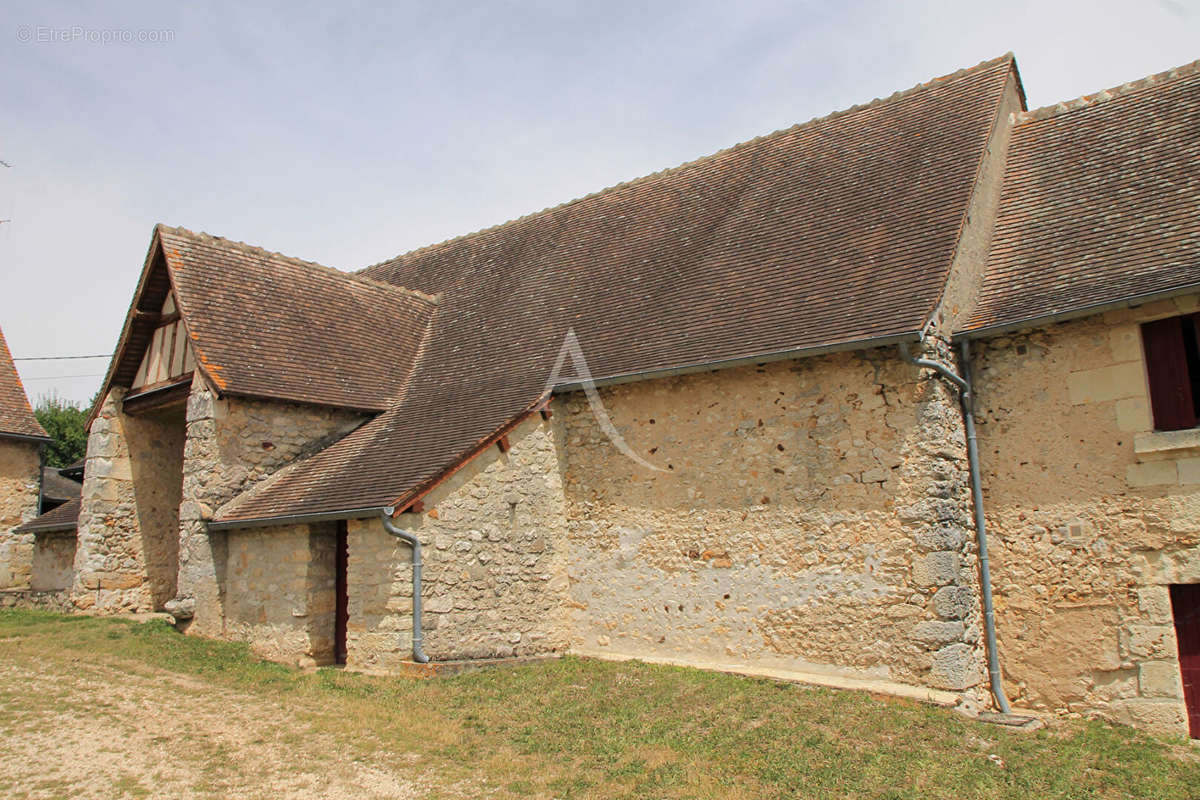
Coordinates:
(1105,95)
(878,101)
(30,425)
(262,251)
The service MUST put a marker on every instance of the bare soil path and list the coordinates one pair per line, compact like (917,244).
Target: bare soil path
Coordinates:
(113,708)
(101,731)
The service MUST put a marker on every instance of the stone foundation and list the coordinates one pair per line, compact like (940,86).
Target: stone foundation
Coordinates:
(56,601)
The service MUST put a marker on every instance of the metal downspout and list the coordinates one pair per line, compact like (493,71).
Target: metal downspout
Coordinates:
(966,399)
(412,541)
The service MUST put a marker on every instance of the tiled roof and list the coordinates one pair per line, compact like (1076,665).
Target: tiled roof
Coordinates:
(56,486)
(16,415)
(833,233)
(74,471)
(62,518)
(265,325)
(1101,203)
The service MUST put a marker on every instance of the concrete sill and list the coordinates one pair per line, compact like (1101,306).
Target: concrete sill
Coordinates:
(1166,441)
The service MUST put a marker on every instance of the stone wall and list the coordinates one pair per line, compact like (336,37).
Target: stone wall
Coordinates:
(1092,515)
(233,443)
(19,475)
(128,520)
(495,563)
(280,593)
(57,601)
(810,515)
(53,561)
(152,481)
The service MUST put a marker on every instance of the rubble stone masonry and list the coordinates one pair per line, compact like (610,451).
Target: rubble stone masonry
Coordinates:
(19,466)
(127,531)
(495,563)
(153,480)
(810,515)
(1092,516)
(280,596)
(232,443)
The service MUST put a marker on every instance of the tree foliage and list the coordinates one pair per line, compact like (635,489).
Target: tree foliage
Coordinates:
(65,422)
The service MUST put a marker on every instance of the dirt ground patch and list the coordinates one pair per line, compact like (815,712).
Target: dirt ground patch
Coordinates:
(150,733)
(112,708)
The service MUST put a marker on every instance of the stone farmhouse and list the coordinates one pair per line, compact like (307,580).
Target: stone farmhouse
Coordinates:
(21,441)
(756,412)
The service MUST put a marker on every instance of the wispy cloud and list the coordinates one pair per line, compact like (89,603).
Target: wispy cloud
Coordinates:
(348,133)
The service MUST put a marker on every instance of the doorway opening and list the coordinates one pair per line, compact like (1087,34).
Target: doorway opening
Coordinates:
(341,612)
(155,434)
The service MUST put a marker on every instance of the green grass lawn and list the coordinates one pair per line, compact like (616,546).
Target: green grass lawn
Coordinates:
(582,728)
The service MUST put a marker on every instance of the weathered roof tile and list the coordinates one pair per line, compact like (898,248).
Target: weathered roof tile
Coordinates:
(265,325)
(62,518)
(16,415)
(1099,206)
(833,233)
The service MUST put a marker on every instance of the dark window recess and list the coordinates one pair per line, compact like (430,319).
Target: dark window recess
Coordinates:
(1185,605)
(341,603)
(1173,367)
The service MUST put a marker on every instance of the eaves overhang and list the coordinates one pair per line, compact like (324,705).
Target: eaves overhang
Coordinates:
(1066,315)
(295,519)
(741,361)
(26,437)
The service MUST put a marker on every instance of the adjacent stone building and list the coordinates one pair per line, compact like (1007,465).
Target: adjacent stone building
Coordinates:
(21,441)
(725,415)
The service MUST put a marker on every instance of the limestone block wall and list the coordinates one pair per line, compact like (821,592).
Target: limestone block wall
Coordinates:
(1092,516)
(232,443)
(810,515)
(494,547)
(19,475)
(280,594)
(125,559)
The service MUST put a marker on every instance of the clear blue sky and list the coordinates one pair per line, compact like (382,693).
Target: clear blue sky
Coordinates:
(345,134)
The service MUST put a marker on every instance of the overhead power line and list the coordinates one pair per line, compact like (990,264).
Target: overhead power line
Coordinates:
(61,377)
(60,358)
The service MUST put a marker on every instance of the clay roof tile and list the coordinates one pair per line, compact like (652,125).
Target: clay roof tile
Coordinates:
(1099,205)
(16,415)
(834,233)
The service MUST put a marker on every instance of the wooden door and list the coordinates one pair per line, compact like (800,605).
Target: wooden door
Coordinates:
(342,593)
(1185,604)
